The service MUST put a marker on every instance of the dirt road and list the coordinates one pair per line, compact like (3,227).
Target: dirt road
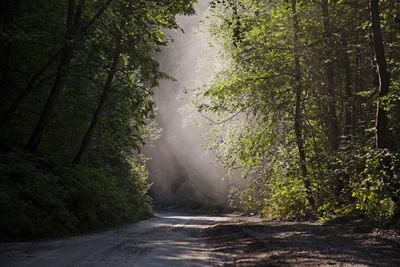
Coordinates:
(170,239)
(250,241)
(185,239)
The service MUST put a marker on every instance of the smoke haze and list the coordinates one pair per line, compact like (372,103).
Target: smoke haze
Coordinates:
(181,171)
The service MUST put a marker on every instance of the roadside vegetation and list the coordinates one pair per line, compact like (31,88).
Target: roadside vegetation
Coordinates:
(76,107)
(306,106)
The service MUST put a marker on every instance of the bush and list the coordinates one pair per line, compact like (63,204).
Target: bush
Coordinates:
(287,201)
(39,198)
(377,185)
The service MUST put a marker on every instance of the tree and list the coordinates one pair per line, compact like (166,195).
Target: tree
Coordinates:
(299,92)
(333,131)
(64,51)
(73,23)
(312,69)
(124,39)
(382,132)
(91,65)
(103,97)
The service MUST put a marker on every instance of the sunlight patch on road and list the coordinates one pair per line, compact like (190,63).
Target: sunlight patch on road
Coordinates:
(189,226)
(200,218)
(188,222)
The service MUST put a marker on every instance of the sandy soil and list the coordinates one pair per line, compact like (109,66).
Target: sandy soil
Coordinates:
(254,242)
(188,239)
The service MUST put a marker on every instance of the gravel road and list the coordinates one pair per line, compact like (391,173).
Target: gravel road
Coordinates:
(170,239)
(187,239)
(251,241)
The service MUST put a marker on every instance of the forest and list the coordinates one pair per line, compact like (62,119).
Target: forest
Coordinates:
(306,106)
(303,111)
(76,109)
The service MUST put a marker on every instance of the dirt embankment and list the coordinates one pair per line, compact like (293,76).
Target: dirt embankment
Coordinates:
(249,241)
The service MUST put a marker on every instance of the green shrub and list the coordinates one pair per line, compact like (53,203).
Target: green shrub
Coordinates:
(40,198)
(375,187)
(288,200)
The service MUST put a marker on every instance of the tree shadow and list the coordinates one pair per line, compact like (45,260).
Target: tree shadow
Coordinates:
(303,244)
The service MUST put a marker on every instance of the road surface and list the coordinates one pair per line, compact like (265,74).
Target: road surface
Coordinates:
(170,239)
(185,239)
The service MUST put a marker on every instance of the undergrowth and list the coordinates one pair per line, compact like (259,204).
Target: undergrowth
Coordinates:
(40,198)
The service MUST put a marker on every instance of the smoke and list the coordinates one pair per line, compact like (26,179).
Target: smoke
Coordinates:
(181,171)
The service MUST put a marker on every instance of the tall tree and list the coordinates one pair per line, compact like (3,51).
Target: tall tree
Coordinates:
(382,132)
(72,22)
(299,92)
(333,129)
(103,97)
(69,45)
(348,125)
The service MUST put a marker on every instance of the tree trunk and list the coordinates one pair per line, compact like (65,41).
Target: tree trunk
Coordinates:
(72,22)
(106,90)
(297,122)
(333,130)
(384,138)
(357,85)
(382,133)
(348,124)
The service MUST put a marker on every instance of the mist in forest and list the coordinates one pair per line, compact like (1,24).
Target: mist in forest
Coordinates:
(181,171)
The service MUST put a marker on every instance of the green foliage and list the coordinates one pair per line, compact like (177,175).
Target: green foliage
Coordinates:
(252,99)
(39,198)
(48,55)
(288,200)
(377,185)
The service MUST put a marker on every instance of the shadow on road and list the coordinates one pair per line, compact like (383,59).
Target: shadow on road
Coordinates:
(275,243)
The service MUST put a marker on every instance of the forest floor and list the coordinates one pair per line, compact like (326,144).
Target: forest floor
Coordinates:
(251,241)
(176,238)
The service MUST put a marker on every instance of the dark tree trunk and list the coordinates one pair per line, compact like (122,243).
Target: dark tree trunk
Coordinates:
(333,130)
(384,138)
(382,133)
(106,90)
(298,122)
(72,23)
